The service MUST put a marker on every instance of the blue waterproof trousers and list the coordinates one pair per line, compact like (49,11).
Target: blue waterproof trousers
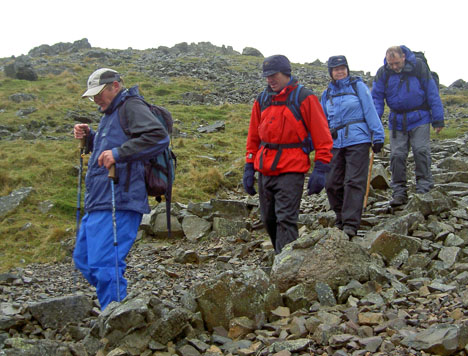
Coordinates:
(94,253)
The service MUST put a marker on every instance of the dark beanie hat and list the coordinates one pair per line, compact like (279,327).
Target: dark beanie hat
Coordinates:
(336,61)
(275,64)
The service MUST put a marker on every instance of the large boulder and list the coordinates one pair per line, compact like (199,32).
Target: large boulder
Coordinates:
(57,312)
(430,203)
(243,293)
(250,51)
(324,256)
(134,323)
(21,68)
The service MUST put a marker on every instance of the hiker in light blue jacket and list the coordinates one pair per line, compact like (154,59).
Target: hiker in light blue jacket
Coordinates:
(355,127)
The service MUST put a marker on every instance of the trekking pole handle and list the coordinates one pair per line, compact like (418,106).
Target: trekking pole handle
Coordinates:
(82,142)
(111,174)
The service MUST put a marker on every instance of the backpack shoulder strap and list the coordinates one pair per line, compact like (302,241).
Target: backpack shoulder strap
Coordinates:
(295,99)
(264,100)
(123,118)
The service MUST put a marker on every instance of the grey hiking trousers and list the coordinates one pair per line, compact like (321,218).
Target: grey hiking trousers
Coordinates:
(419,141)
(280,200)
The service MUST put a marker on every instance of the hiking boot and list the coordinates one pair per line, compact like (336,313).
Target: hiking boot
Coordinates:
(398,200)
(350,231)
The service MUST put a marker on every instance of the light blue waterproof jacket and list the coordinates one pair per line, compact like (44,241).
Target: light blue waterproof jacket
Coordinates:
(413,100)
(148,139)
(352,115)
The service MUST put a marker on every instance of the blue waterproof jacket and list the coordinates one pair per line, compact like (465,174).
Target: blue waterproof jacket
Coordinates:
(351,115)
(148,139)
(413,100)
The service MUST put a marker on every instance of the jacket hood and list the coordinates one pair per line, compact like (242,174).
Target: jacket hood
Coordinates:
(410,59)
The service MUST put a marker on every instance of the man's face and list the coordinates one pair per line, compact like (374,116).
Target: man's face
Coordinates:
(105,97)
(396,62)
(277,81)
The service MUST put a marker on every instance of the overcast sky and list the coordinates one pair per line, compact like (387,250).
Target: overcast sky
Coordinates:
(303,30)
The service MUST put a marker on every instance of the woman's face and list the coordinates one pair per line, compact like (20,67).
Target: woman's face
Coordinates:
(339,72)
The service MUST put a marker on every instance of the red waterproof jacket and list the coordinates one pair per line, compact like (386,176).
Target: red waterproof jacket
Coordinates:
(277,125)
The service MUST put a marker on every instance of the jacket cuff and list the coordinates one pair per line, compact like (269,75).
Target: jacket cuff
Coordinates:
(115,153)
(438,124)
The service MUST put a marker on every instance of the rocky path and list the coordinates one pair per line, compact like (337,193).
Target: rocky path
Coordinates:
(412,301)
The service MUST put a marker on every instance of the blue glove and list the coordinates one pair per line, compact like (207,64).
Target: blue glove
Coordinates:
(248,179)
(317,178)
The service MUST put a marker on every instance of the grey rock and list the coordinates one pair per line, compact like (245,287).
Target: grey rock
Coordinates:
(250,51)
(195,228)
(11,202)
(380,177)
(449,255)
(19,97)
(24,347)
(332,260)
(433,202)
(56,312)
(228,227)
(389,245)
(160,226)
(230,208)
(325,294)
(246,292)
(217,126)
(439,339)
(295,298)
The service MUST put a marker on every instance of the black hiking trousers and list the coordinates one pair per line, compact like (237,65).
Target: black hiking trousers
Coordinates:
(280,199)
(346,184)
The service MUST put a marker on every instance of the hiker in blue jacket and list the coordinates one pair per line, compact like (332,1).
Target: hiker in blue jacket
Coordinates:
(411,93)
(355,127)
(95,253)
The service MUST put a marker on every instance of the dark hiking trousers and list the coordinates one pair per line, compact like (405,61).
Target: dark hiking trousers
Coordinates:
(419,140)
(280,199)
(346,183)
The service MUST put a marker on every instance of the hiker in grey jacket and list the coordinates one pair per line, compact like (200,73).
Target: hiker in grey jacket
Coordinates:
(355,126)
(94,253)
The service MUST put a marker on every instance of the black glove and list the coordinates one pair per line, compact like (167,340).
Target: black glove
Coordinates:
(248,179)
(317,178)
(377,147)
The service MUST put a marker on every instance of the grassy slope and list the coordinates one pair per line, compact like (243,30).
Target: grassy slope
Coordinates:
(208,164)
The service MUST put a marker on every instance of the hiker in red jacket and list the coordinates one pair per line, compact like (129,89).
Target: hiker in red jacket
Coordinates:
(286,124)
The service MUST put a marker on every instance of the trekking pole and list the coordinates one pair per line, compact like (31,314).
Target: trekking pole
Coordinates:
(113,180)
(80,178)
(78,198)
(369,174)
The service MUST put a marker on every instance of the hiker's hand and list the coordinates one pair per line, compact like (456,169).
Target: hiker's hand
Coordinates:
(317,178)
(377,147)
(106,159)
(80,131)
(438,129)
(248,179)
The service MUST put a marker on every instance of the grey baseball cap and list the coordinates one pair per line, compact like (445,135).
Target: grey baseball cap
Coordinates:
(98,79)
